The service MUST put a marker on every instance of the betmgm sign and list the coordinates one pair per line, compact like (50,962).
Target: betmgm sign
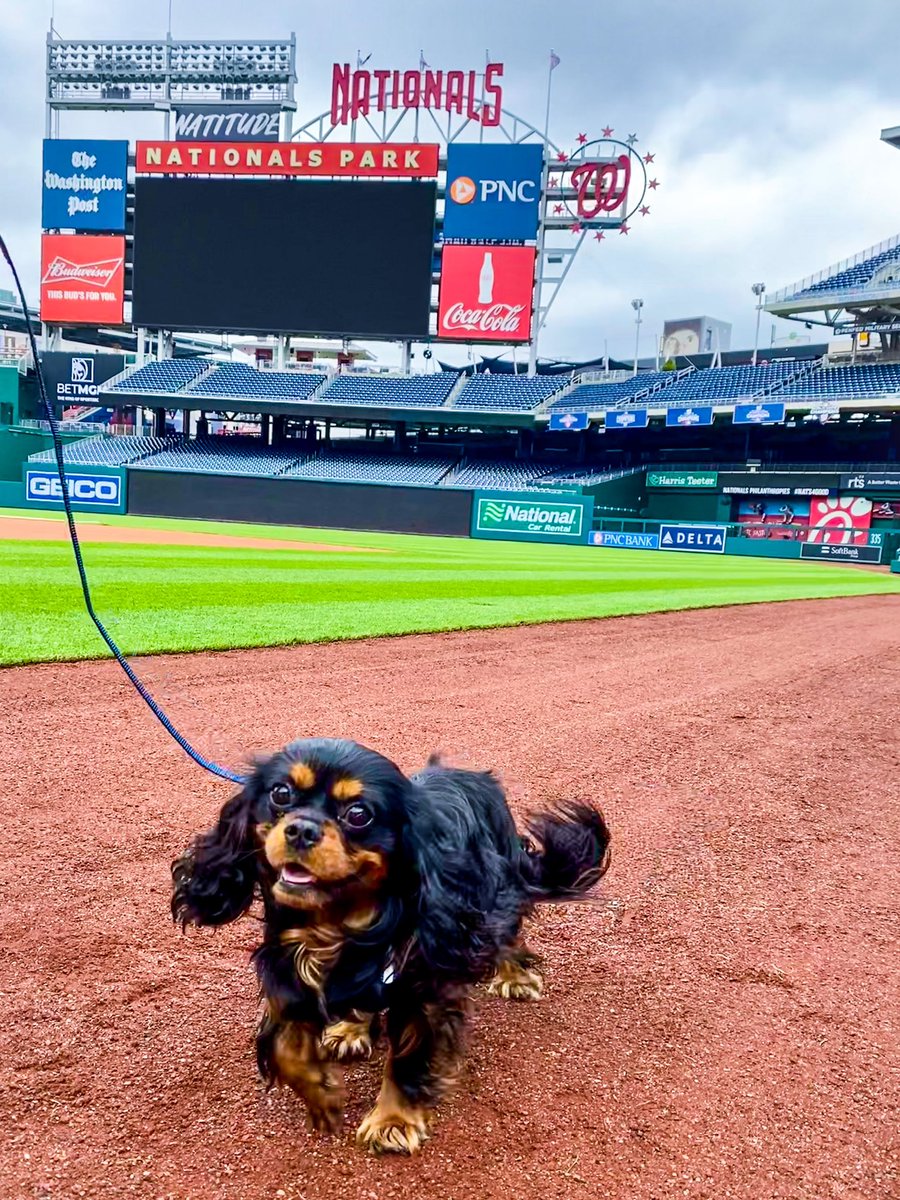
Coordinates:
(531,517)
(94,491)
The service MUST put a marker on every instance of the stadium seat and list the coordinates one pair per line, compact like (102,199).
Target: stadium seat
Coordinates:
(508,393)
(857,276)
(106,451)
(361,467)
(595,397)
(223,455)
(240,380)
(166,376)
(504,475)
(407,391)
(852,382)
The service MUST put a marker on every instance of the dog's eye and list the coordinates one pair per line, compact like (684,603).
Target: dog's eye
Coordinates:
(357,816)
(280,795)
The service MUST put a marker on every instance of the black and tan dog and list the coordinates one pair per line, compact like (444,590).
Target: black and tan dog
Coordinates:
(385,899)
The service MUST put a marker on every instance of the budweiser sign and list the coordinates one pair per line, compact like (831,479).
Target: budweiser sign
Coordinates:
(97,275)
(486,293)
(361,92)
(82,279)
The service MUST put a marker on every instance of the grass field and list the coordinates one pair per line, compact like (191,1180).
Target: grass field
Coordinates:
(178,598)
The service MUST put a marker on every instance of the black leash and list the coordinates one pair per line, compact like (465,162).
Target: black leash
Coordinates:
(214,768)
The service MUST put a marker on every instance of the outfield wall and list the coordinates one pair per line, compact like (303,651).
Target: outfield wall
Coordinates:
(281,501)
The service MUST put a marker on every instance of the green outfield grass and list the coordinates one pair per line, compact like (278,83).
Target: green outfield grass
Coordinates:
(174,598)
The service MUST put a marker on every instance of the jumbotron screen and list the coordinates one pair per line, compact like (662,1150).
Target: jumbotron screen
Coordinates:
(341,258)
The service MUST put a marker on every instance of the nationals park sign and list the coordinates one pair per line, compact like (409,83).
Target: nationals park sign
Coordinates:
(403,160)
(531,517)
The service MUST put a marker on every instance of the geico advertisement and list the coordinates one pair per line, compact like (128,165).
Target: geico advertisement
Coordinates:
(45,487)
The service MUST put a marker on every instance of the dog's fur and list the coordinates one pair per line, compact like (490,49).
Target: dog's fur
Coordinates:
(382,895)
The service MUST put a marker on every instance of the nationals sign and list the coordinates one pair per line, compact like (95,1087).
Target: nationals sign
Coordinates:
(406,160)
(486,293)
(82,279)
(359,93)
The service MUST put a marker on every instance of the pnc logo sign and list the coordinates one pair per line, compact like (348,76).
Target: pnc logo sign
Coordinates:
(44,487)
(493,192)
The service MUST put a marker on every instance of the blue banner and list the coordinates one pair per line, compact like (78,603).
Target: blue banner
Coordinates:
(85,490)
(687,416)
(84,184)
(694,539)
(493,192)
(571,421)
(761,413)
(624,541)
(626,418)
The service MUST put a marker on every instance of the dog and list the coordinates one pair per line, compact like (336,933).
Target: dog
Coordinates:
(385,900)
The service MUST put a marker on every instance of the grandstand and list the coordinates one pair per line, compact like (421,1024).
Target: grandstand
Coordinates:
(165,377)
(413,391)
(508,393)
(350,467)
(239,381)
(221,455)
(106,452)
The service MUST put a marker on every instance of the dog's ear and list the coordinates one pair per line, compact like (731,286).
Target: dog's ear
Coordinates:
(213,881)
(466,904)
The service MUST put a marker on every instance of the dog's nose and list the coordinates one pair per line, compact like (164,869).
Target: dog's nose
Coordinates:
(302,833)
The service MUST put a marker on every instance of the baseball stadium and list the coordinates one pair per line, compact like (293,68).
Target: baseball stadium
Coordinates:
(653,600)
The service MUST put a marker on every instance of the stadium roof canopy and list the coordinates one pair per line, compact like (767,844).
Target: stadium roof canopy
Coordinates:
(860,293)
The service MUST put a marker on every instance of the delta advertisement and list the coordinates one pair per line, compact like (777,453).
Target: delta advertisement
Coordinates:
(486,293)
(82,279)
(493,193)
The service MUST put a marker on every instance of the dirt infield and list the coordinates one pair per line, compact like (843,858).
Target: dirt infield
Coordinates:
(40,529)
(720,1022)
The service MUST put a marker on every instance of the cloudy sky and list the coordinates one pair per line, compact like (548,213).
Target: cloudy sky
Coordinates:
(764,118)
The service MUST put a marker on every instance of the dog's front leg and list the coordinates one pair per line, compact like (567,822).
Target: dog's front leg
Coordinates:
(296,1060)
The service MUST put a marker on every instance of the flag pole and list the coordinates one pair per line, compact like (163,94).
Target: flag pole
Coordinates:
(539,256)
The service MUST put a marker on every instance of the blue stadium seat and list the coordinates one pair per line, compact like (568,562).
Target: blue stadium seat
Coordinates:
(853,382)
(502,474)
(106,451)
(857,276)
(508,393)
(351,466)
(595,397)
(408,391)
(167,375)
(725,385)
(241,380)
(224,456)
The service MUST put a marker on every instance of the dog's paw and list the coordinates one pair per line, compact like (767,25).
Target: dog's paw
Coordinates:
(325,1106)
(515,982)
(393,1132)
(346,1040)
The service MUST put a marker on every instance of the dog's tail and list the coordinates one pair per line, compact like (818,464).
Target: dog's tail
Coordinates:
(572,852)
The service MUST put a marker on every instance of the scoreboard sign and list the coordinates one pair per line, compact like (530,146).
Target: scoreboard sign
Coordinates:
(82,279)
(486,293)
(398,160)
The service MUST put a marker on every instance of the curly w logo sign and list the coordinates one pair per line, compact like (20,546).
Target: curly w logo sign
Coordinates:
(531,516)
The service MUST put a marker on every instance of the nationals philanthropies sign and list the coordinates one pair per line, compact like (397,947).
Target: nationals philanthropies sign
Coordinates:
(82,279)
(486,293)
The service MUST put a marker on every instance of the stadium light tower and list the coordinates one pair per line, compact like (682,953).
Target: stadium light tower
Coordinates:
(757,289)
(637,305)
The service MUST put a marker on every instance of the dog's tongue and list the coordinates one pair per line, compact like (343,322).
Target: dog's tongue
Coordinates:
(292,874)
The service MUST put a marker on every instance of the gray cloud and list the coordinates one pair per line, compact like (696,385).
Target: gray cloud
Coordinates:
(764,118)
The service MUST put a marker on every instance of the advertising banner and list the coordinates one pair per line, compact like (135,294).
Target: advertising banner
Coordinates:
(693,539)
(778,520)
(227,123)
(486,293)
(626,418)
(531,517)
(401,160)
(886,510)
(686,417)
(493,192)
(82,279)
(569,421)
(76,378)
(761,413)
(95,490)
(682,479)
(843,553)
(84,184)
(863,480)
(624,541)
(840,520)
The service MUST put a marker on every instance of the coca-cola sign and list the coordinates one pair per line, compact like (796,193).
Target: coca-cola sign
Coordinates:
(486,293)
(82,279)
(362,92)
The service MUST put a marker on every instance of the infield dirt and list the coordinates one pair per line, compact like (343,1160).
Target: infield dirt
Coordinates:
(720,1021)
